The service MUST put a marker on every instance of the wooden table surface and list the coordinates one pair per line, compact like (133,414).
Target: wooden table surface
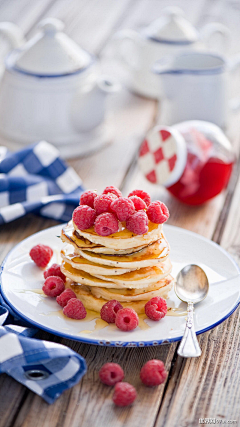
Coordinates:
(206,387)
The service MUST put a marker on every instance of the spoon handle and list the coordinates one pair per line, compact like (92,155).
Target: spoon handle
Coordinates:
(189,346)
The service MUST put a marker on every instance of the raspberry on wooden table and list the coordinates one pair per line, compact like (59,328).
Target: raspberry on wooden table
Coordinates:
(111,374)
(102,203)
(54,270)
(124,394)
(109,310)
(41,255)
(142,194)
(106,224)
(156,308)
(153,373)
(75,309)
(138,223)
(112,189)
(53,286)
(87,198)
(158,212)
(138,203)
(126,319)
(65,296)
(123,208)
(84,217)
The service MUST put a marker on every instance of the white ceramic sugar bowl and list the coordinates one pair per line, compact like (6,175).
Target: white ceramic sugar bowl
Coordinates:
(170,34)
(52,89)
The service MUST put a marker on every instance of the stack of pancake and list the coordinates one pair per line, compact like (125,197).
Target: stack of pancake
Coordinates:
(124,266)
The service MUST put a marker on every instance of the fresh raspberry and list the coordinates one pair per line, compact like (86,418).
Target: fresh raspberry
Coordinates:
(54,270)
(156,308)
(138,203)
(109,310)
(65,296)
(124,394)
(142,194)
(102,203)
(158,212)
(87,198)
(41,255)
(123,208)
(111,373)
(126,319)
(84,217)
(75,309)
(138,223)
(106,224)
(113,190)
(153,373)
(53,286)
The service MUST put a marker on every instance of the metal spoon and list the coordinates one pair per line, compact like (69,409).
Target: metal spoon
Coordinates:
(191,286)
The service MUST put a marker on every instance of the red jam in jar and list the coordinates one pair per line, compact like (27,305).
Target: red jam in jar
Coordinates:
(204,160)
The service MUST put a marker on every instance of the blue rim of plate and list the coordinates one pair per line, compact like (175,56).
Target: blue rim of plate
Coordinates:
(118,343)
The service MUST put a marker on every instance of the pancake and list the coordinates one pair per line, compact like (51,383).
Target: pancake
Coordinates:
(123,239)
(80,263)
(151,255)
(94,303)
(80,276)
(145,275)
(71,236)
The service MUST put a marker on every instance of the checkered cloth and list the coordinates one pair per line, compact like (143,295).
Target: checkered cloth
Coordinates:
(37,180)
(44,367)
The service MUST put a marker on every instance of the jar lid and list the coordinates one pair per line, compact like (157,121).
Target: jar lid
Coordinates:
(172,27)
(50,53)
(163,155)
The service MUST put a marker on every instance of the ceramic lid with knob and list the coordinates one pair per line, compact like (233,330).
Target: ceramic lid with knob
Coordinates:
(50,53)
(172,27)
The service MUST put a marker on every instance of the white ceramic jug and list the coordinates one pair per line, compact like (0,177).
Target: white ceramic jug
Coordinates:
(168,35)
(195,85)
(52,89)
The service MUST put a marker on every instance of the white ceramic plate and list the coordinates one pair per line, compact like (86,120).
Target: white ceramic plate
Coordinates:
(21,280)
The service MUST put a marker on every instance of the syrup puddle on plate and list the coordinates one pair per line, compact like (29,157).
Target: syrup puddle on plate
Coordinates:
(172,311)
(35,291)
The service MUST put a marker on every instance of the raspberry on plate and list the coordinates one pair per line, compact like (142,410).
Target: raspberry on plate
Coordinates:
(87,198)
(53,286)
(54,270)
(156,308)
(111,373)
(75,309)
(113,190)
(109,310)
(142,194)
(65,296)
(41,255)
(153,373)
(138,203)
(84,217)
(106,224)
(123,208)
(126,319)
(124,394)
(138,223)
(102,203)
(158,212)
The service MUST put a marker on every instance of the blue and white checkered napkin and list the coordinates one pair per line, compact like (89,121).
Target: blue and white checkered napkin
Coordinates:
(37,180)
(44,367)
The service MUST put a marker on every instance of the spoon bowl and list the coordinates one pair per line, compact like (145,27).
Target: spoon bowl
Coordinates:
(192,284)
